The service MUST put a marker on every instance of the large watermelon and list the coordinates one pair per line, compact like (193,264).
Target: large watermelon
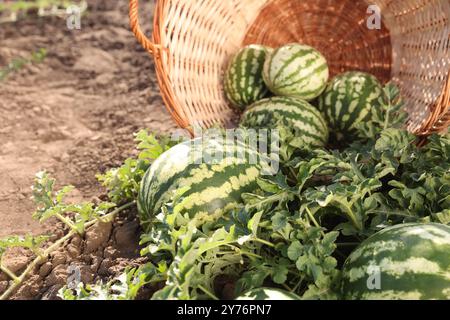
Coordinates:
(295,113)
(243,81)
(296,70)
(214,173)
(348,100)
(268,294)
(404,262)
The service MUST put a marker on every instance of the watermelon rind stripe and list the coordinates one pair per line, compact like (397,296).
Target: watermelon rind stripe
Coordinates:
(348,100)
(287,64)
(296,70)
(319,69)
(211,188)
(301,116)
(243,79)
(413,262)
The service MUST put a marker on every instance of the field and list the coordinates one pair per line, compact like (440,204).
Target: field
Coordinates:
(322,193)
(72,114)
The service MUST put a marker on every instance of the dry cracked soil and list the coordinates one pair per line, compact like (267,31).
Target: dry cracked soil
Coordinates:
(73,115)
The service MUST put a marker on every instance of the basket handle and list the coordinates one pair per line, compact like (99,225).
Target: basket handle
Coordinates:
(135,27)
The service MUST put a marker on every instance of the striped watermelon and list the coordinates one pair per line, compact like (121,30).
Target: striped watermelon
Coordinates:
(296,113)
(296,70)
(215,173)
(410,261)
(243,82)
(268,294)
(348,100)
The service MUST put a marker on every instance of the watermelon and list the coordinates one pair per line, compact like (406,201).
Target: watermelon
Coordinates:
(348,100)
(214,174)
(243,82)
(296,70)
(404,262)
(294,113)
(268,294)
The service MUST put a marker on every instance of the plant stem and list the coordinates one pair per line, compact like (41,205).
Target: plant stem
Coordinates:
(388,113)
(267,243)
(18,281)
(111,215)
(212,296)
(355,168)
(311,216)
(272,198)
(33,264)
(299,283)
(9,273)
(240,253)
(348,211)
(246,253)
(66,221)
(293,179)
(287,287)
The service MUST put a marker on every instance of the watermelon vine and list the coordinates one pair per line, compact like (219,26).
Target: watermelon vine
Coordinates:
(312,230)
(297,231)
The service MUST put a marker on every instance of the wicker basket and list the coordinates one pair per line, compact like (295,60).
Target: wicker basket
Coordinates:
(194,39)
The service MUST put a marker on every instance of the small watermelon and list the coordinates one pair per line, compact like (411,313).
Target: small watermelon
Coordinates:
(296,70)
(243,82)
(295,113)
(348,100)
(268,294)
(214,173)
(404,262)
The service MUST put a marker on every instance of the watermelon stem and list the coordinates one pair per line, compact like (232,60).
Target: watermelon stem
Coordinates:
(241,252)
(67,222)
(9,273)
(299,283)
(293,179)
(356,169)
(388,114)
(314,221)
(267,243)
(55,246)
(346,208)
(207,292)
(287,287)
(272,198)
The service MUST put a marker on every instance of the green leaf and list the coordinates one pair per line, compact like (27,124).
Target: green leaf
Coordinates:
(389,113)
(280,274)
(254,222)
(329,239)
(302,262)
(396,141)
(279,220)
(34,243)
(273,184)
(124,287)
(295,250)
(443,217)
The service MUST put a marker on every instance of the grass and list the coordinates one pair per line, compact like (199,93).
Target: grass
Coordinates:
(12,10)
(19,63)
(18,6)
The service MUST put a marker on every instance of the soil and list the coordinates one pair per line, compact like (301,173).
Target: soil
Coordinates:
(73,115)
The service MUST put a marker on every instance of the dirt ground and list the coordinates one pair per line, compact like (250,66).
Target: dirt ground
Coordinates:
(74,116)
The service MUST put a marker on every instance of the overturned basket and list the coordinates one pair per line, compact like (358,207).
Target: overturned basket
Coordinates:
(194,39)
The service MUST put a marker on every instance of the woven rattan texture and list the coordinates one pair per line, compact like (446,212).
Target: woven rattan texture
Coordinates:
(193,40)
